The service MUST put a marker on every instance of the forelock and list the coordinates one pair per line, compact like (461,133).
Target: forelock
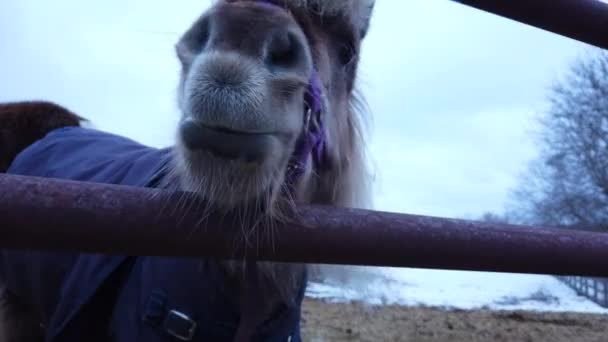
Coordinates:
(358,11)
(355,8)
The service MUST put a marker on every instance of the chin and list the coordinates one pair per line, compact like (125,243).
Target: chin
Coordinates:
(230,184)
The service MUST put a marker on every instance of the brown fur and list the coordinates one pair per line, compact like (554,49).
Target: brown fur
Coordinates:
(22,123)
(18,323)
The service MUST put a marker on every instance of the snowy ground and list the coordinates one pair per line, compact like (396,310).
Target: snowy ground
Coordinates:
(457,289)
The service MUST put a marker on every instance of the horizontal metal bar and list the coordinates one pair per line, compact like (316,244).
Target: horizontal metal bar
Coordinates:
(583,20)
(56,215)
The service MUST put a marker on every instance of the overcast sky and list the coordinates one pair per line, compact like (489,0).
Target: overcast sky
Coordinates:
(453,91)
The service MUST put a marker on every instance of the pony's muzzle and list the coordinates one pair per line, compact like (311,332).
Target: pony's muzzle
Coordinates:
(246,67)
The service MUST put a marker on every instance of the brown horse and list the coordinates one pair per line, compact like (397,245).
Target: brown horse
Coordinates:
(256,76)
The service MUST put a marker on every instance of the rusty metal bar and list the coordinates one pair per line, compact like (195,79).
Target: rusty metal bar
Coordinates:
(55,215)
(583,20)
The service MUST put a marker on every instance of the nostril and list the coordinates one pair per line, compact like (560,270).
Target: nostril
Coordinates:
(283,50)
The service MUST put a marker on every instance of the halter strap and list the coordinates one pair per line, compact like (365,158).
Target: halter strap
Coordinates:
(312,141)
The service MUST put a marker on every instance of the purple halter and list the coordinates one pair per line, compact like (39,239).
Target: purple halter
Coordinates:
(312,140)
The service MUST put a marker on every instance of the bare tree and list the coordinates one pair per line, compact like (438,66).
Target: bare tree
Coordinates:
(568,183)
(492,217)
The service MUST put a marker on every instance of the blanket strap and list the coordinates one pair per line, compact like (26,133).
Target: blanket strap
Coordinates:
(96,314)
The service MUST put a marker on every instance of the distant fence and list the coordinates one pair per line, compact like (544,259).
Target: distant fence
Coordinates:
(595,289)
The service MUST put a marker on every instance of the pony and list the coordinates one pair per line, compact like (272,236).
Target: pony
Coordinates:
(270,118)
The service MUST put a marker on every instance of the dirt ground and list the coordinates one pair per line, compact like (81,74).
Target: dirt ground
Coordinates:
(324,322)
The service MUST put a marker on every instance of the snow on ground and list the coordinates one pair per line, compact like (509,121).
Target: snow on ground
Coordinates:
(457,290)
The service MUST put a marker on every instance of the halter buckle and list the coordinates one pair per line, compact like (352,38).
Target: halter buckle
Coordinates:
(307,117)
(180,326)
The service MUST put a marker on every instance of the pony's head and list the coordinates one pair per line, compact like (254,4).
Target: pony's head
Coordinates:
(267,95)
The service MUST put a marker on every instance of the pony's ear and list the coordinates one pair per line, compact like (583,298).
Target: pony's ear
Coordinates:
(359,12)
(22,123)
(363,16)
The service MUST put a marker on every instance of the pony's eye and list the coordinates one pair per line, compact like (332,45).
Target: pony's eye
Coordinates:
(346,53)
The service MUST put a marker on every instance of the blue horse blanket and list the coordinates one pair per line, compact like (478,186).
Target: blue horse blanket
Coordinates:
(91,297)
